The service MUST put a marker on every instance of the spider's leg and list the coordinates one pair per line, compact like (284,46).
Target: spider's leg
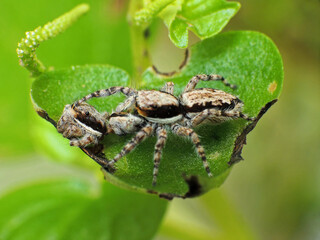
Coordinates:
(84,141)
(140,136)
(246,117)
(188,132)
(216,115)
(206,77)
(162,137)
(205,114)
(102,161)
(126,104)
(168,87)
(107,92)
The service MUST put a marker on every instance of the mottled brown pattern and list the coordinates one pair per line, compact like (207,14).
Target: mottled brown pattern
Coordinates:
(154,99)
(200,99)
(82,124)
(156,104)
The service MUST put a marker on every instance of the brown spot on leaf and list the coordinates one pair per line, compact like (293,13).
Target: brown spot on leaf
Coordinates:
(195,188)
(272,87)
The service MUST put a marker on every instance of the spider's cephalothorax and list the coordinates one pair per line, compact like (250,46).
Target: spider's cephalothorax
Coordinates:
(82,124)
(151,111)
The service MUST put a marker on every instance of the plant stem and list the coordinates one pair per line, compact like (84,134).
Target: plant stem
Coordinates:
(27,46)
(139,46)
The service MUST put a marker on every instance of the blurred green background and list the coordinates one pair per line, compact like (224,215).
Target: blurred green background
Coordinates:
(273,194)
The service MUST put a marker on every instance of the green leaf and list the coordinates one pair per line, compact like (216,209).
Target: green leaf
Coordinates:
(54,89)
(248,59)
(252,62)
(204,18)
(72,209)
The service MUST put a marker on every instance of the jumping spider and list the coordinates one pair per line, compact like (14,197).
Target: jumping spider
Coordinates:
(152,111)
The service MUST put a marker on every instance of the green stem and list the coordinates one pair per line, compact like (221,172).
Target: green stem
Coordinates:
(150,10)
(27,47)
(139,47)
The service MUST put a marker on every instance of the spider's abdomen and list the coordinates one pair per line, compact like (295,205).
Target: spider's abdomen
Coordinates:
(200,99)
(158,106)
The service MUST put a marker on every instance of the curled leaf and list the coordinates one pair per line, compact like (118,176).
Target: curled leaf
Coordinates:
(204,18)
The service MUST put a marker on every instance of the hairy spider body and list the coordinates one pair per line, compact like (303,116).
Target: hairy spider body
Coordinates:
(150,111)
(209,105)
(158,106)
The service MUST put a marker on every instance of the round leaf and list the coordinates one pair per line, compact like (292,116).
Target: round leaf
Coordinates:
(248,59)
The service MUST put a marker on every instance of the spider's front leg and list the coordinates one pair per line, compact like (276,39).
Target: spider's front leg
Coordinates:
(206,77)
(108,92)
(188,132)
(140,136)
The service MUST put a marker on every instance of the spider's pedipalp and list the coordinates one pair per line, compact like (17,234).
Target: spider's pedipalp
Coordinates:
(188,132)
(84,141)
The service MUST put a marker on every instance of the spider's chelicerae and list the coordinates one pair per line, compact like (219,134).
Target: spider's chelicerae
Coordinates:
(83,125)
(86,127)
(152,111)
